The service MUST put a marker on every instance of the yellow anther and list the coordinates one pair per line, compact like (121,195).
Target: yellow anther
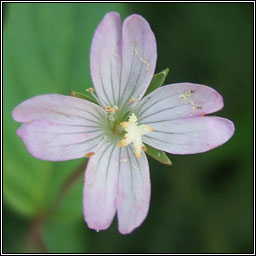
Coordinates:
(132,100)
(90,154)
(144,148)
(111,110)
(90,90)
(115,109)
(108,109)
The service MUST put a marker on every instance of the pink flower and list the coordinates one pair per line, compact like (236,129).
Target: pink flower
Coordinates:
(171,118)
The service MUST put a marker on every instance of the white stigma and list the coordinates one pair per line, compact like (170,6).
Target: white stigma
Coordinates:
(133,135)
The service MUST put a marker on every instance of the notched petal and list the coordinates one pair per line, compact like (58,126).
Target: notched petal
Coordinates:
(133,190)
(139,56)
(59,128)
(54,142)
(100,189)
(105,58)
(190,135)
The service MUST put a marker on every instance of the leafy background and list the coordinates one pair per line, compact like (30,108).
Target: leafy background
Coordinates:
(202,203)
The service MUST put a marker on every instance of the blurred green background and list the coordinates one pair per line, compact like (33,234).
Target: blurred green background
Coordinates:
(202,203)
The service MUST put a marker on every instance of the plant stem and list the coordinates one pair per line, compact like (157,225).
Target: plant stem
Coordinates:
(34,234)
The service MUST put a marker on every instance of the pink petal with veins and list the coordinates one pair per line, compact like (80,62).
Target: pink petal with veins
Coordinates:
(100,189)
(123,59)
(133,190)
(179,100)
(190,135)
(58,128)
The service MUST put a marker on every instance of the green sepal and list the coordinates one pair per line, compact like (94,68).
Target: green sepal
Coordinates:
(158,155)
(157,81)
(83,96)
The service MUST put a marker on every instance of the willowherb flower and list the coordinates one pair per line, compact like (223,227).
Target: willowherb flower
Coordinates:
(114,134)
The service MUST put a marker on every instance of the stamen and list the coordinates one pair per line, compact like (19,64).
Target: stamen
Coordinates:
(111,110)
(108,109)
(90,89)
(144,148)
(115,108)
(132,100)
(90,154)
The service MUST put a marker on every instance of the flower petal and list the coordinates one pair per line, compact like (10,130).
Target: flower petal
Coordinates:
(59,109)
(100,190)
(133,190)
(105,59)
(55,142)
(139,56)
(122,59)
(58,128)
(179,100)
(190,135)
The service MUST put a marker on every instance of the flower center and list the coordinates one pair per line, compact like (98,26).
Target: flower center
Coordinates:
(134,133)
(112,128)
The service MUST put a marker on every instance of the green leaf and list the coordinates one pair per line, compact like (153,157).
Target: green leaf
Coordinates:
(158,155)
(52,56)
(158,80)
(83,96)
